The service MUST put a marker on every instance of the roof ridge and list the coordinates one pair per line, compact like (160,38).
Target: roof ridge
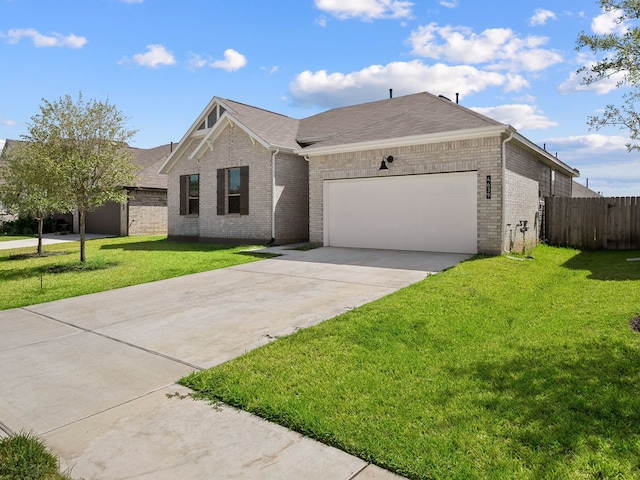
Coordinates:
(258,108)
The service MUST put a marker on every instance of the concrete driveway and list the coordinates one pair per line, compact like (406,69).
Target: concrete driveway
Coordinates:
(95,375)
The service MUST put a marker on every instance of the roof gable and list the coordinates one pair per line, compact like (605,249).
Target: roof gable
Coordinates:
(272,130)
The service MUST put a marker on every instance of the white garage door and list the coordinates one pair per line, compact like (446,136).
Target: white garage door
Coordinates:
(431,213)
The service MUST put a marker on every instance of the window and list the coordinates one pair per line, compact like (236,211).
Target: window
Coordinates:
(233,191)
(212,118)
(189,194)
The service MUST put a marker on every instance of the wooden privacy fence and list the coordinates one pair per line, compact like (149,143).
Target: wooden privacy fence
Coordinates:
(597,223)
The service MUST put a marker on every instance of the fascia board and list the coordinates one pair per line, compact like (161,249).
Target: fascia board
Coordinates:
(466,134)
(177,153)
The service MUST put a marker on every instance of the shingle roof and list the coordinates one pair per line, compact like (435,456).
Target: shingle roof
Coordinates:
(274,128)
(417,114)
(148,160)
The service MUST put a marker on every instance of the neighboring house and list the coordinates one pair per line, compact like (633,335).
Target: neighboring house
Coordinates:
(417,172)
(580,191)
(145,212)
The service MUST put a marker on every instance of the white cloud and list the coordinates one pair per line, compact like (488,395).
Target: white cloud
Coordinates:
(449,4)
(39,40)
(155,56)
(366,9)
(232,61)
(520,116)
(609,22)
(8,123)
(603,159)
(575,82)
(498,48)
(330,90)
(541,16)
(2,142)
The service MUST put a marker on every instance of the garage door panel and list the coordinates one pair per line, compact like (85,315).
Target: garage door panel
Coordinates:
(416,212)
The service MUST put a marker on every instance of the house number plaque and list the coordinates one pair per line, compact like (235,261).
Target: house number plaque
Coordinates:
(488,186)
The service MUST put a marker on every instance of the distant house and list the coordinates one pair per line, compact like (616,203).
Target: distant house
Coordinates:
(145,212)
(580,191)
(417,172)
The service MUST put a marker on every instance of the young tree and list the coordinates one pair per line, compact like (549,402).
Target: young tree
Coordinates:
(29,188)
(621,50)
(86,145)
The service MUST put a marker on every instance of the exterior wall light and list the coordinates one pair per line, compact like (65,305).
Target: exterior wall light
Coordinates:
(385,160)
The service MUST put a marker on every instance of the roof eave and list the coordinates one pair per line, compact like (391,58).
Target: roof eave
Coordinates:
(465,134)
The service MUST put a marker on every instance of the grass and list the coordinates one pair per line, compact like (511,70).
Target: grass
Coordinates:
(27,279)
(25,457)
(8,238)
(493,369)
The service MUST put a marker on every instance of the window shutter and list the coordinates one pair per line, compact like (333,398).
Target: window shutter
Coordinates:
(220,192)
(244,190)
(184,190)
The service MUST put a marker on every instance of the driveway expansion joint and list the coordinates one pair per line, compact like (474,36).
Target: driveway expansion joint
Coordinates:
(117,340)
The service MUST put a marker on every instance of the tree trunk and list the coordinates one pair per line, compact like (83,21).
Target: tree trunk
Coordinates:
(83,215)
(40,226)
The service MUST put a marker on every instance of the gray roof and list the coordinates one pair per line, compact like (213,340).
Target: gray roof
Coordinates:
(417,114)
(148,161)
(274,128)
(580,191)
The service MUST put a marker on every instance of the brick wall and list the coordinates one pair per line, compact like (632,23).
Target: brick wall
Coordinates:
(529,181)
(147,212)
(482,155)
(292,199)
(182,225)
(235,148)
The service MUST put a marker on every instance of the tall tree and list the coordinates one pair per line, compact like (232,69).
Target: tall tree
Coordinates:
(86,143)
(28,186)
(620,51)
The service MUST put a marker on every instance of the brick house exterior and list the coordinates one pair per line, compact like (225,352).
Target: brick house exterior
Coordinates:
(231,142)
(421,136)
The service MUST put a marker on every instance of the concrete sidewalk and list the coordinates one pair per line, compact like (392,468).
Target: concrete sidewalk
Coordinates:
(48,239)
(95,375)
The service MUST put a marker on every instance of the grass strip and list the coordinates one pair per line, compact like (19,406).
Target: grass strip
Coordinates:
(25,457)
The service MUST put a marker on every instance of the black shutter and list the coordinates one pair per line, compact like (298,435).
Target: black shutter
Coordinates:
(184,190)
(244,190)
(221,191)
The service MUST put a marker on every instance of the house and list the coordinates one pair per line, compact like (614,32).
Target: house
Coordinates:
(145,212)
(236,176)
(580,191)
(417,172)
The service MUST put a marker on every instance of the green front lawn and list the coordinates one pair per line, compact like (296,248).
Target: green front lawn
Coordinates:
(26,279)
(497,368)
(8,238)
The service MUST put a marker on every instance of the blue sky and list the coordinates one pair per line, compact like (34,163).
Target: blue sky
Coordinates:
(161,61)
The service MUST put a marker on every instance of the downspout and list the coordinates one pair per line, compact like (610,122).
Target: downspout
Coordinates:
(502,194)
(273,195)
